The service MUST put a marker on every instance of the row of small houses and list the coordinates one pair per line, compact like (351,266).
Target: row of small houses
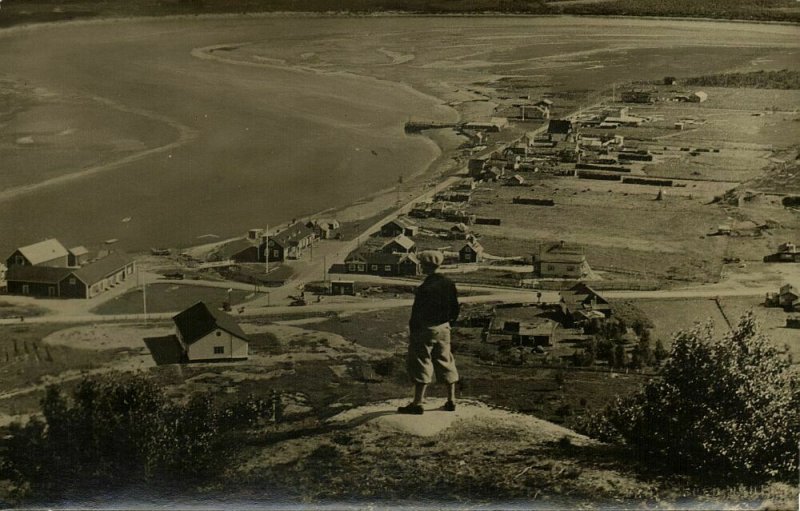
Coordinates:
(397,258)
(288,243)
(48,269)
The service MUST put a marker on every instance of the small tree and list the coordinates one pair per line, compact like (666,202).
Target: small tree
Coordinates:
(728,408)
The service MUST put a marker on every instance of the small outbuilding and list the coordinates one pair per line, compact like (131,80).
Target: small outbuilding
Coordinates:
(343,287)
(471,252)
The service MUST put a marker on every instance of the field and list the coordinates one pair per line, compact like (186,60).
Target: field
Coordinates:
(670,316)
(170,298)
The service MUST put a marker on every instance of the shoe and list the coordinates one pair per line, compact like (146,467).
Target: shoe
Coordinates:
(411,409)
(450,406)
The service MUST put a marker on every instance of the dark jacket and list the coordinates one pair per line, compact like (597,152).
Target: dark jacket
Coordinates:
(436,302)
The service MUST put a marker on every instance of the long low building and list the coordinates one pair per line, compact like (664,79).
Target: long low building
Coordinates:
(87,281)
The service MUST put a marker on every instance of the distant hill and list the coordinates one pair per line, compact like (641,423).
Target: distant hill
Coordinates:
(15,12)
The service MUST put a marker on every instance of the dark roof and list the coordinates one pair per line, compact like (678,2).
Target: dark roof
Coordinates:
(472,245)
(38,274)
(383,258)
(559,126)
(234,247)
(401,222)
(165,350)
(356,254)
(199,320)
(580,293)
(98,270)
(294,232)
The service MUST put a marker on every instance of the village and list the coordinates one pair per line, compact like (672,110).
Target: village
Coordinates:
(571,214)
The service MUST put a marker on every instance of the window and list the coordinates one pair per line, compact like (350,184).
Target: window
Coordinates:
(19,260)
(351,267)
(219,334)
(570,268)
(467,256)
(276,253)
(72,281)
(551,267)
(26,289)
(374,267)
(362,267)
(388,267)
(219,350)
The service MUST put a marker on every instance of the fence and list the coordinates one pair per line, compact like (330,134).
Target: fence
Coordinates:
(642,181)
(582,174)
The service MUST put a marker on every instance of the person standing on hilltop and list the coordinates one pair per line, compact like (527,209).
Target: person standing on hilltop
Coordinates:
(435,306)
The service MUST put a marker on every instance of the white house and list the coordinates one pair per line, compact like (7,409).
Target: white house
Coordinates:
(207,334)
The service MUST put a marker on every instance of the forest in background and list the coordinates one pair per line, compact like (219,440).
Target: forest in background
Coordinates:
(14,12)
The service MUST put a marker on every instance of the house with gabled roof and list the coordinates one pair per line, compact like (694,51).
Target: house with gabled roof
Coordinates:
(580,303)
(560,260)
(789,297)
(381,263)
(87,281)
(49,252)
(289,243)
(470,252)
(208,334)
(399,226)
(241,250)
(202,334)
(400,245)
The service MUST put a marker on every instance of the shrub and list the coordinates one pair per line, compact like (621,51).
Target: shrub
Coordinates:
(386,366)
(727,408)
(121,429)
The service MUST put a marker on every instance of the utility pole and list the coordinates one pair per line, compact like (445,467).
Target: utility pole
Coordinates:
(266,249)
(144,301)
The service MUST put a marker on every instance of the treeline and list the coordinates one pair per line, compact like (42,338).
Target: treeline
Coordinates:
(761,10)
(27,11)
(783,79)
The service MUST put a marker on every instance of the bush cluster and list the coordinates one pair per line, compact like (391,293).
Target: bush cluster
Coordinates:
(727,408)
(122,429)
